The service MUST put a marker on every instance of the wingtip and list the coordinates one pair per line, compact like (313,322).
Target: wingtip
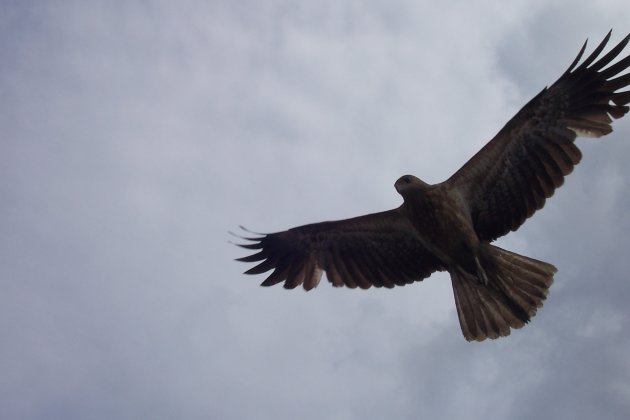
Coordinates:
(577,59)
(247,238)
(259,256)
(256,245)
(251,231)
(594,61)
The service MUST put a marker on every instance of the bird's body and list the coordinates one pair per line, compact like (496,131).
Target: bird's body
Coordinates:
(443,220)
(449,226)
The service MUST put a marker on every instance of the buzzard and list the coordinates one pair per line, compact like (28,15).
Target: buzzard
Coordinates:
(450,226)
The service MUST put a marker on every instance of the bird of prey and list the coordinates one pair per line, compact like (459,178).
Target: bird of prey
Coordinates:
(449,226)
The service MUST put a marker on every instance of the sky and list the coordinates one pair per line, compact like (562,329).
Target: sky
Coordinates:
(135,135)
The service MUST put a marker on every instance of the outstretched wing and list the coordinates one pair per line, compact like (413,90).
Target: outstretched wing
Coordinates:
(379,249)
(512,175)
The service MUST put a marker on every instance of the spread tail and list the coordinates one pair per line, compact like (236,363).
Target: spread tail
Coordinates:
(516,288)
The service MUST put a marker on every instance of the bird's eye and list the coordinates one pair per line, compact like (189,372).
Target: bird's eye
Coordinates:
(407,180)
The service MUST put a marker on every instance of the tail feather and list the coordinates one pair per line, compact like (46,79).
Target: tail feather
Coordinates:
(517,286)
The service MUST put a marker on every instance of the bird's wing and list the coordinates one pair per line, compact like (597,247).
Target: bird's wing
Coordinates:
(512,175)
(380,249)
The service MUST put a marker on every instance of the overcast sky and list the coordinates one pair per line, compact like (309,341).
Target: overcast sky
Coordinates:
(134,135)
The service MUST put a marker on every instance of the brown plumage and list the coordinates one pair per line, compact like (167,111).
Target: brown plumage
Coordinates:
(449,226)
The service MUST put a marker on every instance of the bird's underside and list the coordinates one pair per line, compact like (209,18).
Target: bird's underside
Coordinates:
(449,226)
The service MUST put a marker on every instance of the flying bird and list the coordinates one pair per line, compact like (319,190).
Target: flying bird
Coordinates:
(449,226)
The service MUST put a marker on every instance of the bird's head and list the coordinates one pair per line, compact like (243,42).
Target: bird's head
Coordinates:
(408,183)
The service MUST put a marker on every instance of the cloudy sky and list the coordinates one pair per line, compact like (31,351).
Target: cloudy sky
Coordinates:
(135,135)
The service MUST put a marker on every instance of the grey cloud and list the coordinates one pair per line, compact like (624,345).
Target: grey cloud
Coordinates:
(135,136)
